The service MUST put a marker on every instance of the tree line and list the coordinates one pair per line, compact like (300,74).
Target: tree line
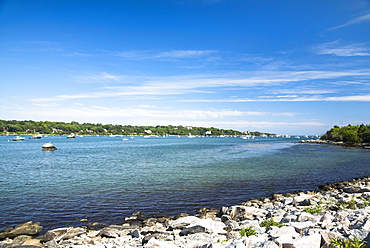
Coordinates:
(349,134)
(63,128)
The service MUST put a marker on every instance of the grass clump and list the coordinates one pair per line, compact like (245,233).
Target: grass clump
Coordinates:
(248,231)
(270,222)
(348,243)
(315,209)
(347,205)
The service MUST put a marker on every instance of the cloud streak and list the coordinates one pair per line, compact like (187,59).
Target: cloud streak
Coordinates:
(211,84)
(174,54)
(360,19)
(334,48)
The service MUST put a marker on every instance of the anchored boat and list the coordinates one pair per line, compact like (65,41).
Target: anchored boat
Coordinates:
(48,147)
(18,138)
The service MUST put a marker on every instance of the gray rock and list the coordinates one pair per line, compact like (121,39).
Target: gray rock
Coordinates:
(269,244)
(28,228)
(135,233)
(192,230)
(109,232)
(289,218)
(231,224)
(359,233)
(355,189)
(149,237)
(62,233)
(240,213)
(225,217)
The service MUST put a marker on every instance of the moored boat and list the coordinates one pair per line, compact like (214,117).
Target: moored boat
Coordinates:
(48,147)
(71,136)
(37,136)
(18,138)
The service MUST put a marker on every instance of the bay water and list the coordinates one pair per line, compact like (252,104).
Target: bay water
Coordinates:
(106,179)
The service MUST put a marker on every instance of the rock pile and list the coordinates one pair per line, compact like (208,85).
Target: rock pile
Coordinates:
(338,211)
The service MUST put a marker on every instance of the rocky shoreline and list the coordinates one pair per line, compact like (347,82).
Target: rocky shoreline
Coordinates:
(340,143)
(339,211)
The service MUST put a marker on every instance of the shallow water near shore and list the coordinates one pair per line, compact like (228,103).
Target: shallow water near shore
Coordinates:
(106,179)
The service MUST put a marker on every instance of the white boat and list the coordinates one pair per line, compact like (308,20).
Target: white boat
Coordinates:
(48,147)
(125,139)
(71,136)
(18,138)
(37,136)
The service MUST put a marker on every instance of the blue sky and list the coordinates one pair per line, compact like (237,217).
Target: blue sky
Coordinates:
(289,67)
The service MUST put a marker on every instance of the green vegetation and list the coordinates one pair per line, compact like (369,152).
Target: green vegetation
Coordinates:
(349,134)
(62,128)
(348,243)
(347,205)
(270,222)
(248,231)
(315,209)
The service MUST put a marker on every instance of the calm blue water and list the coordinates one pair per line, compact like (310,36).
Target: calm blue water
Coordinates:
(107,179)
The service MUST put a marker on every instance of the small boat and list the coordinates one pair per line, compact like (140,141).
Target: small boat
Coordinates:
(125,139)
(38,136)
(71,136)
(48,147)
(18,138)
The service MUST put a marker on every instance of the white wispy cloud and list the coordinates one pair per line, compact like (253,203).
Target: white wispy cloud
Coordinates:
(177,85)
(76,54)
(155,112)
(174,54)
(335,48)
(362,18)
(292,98)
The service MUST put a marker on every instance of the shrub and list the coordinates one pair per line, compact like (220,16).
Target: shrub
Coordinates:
(270,222)
(248,231)
(315,209)
(347,205)
(348,243)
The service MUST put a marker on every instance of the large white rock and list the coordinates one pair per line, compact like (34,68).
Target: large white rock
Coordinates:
(210,225)
(312,241)
(287,231)
(304,216)
(301,227)
(154,243)
(303,200)
(183,222)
